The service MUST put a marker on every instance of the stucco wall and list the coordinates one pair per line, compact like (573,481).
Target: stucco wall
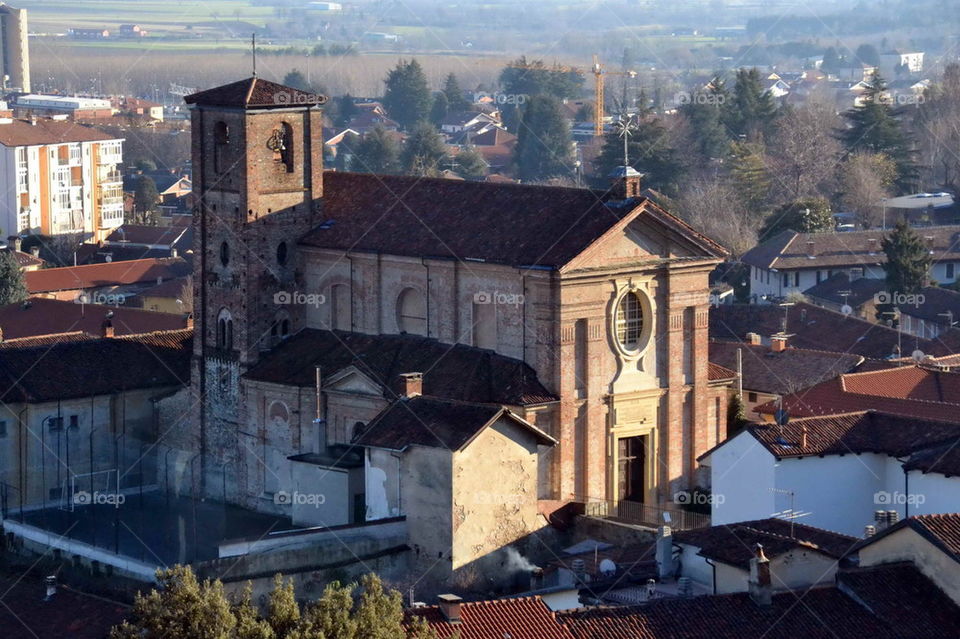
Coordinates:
(742,475)
(906,545)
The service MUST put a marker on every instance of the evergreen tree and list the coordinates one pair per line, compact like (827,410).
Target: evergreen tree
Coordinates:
(12,287)
(456,102)
(868,54)
(424,152)
(751,176)
(874,126)
(377,153)
(407,98)
(803,216)
(750,110)
(471,165)
(344,110)
(649,152)
(908,260)
(297,80)
(544,147)
(831,61)
(439,110)
(145,200)
(703,112)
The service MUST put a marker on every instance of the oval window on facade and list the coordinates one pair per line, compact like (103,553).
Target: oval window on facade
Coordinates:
(629,322)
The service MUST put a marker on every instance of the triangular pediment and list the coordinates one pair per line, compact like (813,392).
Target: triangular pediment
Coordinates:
(352,380)
(647,234)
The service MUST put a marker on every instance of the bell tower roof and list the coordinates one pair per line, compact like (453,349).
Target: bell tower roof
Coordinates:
(255,93)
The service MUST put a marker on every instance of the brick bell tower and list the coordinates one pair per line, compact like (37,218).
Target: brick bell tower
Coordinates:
(257,157)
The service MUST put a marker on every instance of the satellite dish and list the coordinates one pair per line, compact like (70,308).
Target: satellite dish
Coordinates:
(607,567)
(917,355)
(846,309)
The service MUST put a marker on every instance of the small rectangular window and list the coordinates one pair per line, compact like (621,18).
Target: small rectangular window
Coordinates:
(751,397)
(786,280)
(796,279)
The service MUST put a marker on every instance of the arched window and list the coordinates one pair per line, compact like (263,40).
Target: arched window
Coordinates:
(224,253)
(221,141)
(224,330)
(282,253)
(629,321)
(280,328)
(412,312)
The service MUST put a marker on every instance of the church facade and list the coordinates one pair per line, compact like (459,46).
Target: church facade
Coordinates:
(321,294)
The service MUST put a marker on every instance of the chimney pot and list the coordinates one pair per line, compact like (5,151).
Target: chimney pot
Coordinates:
(803,436)
(869,531)
(450,607)
(35,251)
(410,384)
(778,343)
(760,589)
(754,339)
(107,327)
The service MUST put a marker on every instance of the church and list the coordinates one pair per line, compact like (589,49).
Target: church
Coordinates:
(451,352)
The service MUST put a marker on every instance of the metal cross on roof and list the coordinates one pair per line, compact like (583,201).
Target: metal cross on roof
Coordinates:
(625,128)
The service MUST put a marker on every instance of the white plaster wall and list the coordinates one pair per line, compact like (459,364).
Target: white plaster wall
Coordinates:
(906,545)
(320,496)
(742,475)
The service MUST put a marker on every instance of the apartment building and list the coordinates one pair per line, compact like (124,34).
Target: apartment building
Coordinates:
(59,177)
(14,48)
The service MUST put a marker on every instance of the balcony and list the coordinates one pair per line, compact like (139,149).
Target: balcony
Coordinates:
(111,177)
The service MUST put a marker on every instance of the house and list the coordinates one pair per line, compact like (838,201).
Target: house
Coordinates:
(839,471)
(520,617)
(793,262)
(60,178)
(908,389)
(73,107)
(26,261)
(816,328)
(896,63)
(370,116)
(40,316)
(139,108)
(935,311)
(469,121)
(131,31)
(162,238)
(841,294)
(110,282)
(928,542)
(717,558)
(171,296)
(64,396)
(769,372)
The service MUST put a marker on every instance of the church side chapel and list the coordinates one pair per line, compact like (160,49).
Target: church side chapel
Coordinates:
(393,343)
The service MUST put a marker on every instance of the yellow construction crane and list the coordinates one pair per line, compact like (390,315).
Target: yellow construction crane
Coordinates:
(599,111)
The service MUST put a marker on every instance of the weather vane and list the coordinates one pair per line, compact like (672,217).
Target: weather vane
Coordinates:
(625,130)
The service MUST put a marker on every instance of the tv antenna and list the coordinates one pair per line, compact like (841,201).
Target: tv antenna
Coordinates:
(253,47)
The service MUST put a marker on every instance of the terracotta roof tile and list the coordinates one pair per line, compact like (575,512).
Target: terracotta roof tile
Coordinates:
(789,249)
(908,390)
(47,131)
(69,370)
(716,372)
(433,422)
(458,372)
(733,543)
(518,618)
(518,225)
(817,328)
(42,340)
(904,598)
(40,316)
(781,372)
(68,278)
(825,613)
(861,432)
(138,234)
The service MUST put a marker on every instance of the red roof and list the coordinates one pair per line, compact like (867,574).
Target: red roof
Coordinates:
(69,278)
(910,390)
(520,618)
(40,316)
(47,131)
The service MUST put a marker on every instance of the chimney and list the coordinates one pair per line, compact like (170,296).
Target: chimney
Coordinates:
(810,249)
(35,251)
(666,566)
(450,607)
(173,252)
(107,328)
(624,183)
(892,517)
(684,587)
(872,245)
(754,339)
(760,590)
(803,435)
(536,578)
(410,384)
(778,342)
(189,320)
(869,531)
(17,243)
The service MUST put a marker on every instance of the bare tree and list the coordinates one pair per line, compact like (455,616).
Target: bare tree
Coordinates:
(712,206)
(805,152)
(866,179)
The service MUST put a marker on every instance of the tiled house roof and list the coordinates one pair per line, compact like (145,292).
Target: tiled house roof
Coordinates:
(68,278)
(500,223)
(823,613)
(518,618)
(781,372)
(47,131)
(253,93)
(436,423)
(39,316)
(457,372)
